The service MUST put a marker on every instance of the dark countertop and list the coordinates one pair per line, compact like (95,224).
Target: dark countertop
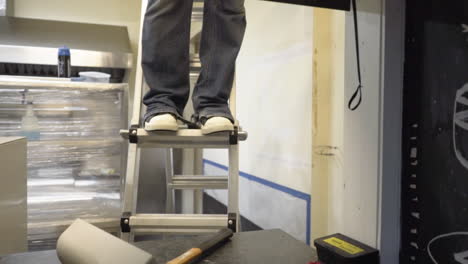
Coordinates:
(269,247)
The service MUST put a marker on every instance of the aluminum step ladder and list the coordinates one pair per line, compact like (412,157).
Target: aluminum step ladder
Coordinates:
(132,223)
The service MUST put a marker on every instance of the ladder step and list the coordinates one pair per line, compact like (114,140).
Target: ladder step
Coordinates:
(197,12)
(183,138)
(181,182)
(176,223)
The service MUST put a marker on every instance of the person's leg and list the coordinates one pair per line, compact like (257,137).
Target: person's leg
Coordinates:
(224,26)
(165,58)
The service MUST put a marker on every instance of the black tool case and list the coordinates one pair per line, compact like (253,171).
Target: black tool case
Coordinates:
(339,249)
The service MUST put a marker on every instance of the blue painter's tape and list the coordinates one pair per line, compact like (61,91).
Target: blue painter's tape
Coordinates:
(303,196)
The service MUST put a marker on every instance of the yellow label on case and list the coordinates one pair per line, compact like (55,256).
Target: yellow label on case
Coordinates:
(343,245)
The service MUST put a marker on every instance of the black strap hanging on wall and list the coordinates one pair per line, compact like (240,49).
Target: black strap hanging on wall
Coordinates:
(357,95)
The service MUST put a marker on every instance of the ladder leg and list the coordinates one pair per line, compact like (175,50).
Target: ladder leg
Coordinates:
(170,193)
(188,196)
(129,202)
(198,170)
(233,182)
(129,199)
(128,237)
(233,99)
(233,191)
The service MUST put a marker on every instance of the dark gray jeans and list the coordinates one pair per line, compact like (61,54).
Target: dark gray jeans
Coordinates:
(166,37)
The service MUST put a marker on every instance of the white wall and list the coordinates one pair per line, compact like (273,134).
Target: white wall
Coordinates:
(363,127)
(108,12)
(275,93)
(274,97)
(372,134)
(327,180)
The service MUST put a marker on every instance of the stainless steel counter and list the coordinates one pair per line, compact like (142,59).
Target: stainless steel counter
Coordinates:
(33,41)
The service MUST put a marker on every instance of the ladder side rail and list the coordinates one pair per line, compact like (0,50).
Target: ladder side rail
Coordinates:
(140,83)
(170,192)
(233,180)
(124,145)
(130,192)
(233,100)
(198,170)
(233,188)
(129,203)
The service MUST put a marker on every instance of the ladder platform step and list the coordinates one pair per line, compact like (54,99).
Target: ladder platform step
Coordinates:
(176,223)
(183,138)
(199,182)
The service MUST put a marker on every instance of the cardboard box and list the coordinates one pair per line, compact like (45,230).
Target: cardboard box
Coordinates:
(13,195)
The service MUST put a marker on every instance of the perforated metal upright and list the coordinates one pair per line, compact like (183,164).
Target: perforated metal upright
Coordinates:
(133,223)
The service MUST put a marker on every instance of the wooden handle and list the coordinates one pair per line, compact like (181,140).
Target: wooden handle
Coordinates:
(187,256)
(223,235)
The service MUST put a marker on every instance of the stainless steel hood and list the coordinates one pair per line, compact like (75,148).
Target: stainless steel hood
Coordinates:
(32,41)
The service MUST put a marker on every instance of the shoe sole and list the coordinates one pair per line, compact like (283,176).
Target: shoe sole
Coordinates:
(214,129)
(161,127)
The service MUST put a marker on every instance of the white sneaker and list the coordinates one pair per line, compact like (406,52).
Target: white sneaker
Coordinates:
(217,124)
(162,122)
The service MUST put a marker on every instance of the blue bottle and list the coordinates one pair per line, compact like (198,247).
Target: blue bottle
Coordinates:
(64,62)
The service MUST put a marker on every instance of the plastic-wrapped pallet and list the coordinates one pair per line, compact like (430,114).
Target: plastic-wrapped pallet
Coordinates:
(74,162)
